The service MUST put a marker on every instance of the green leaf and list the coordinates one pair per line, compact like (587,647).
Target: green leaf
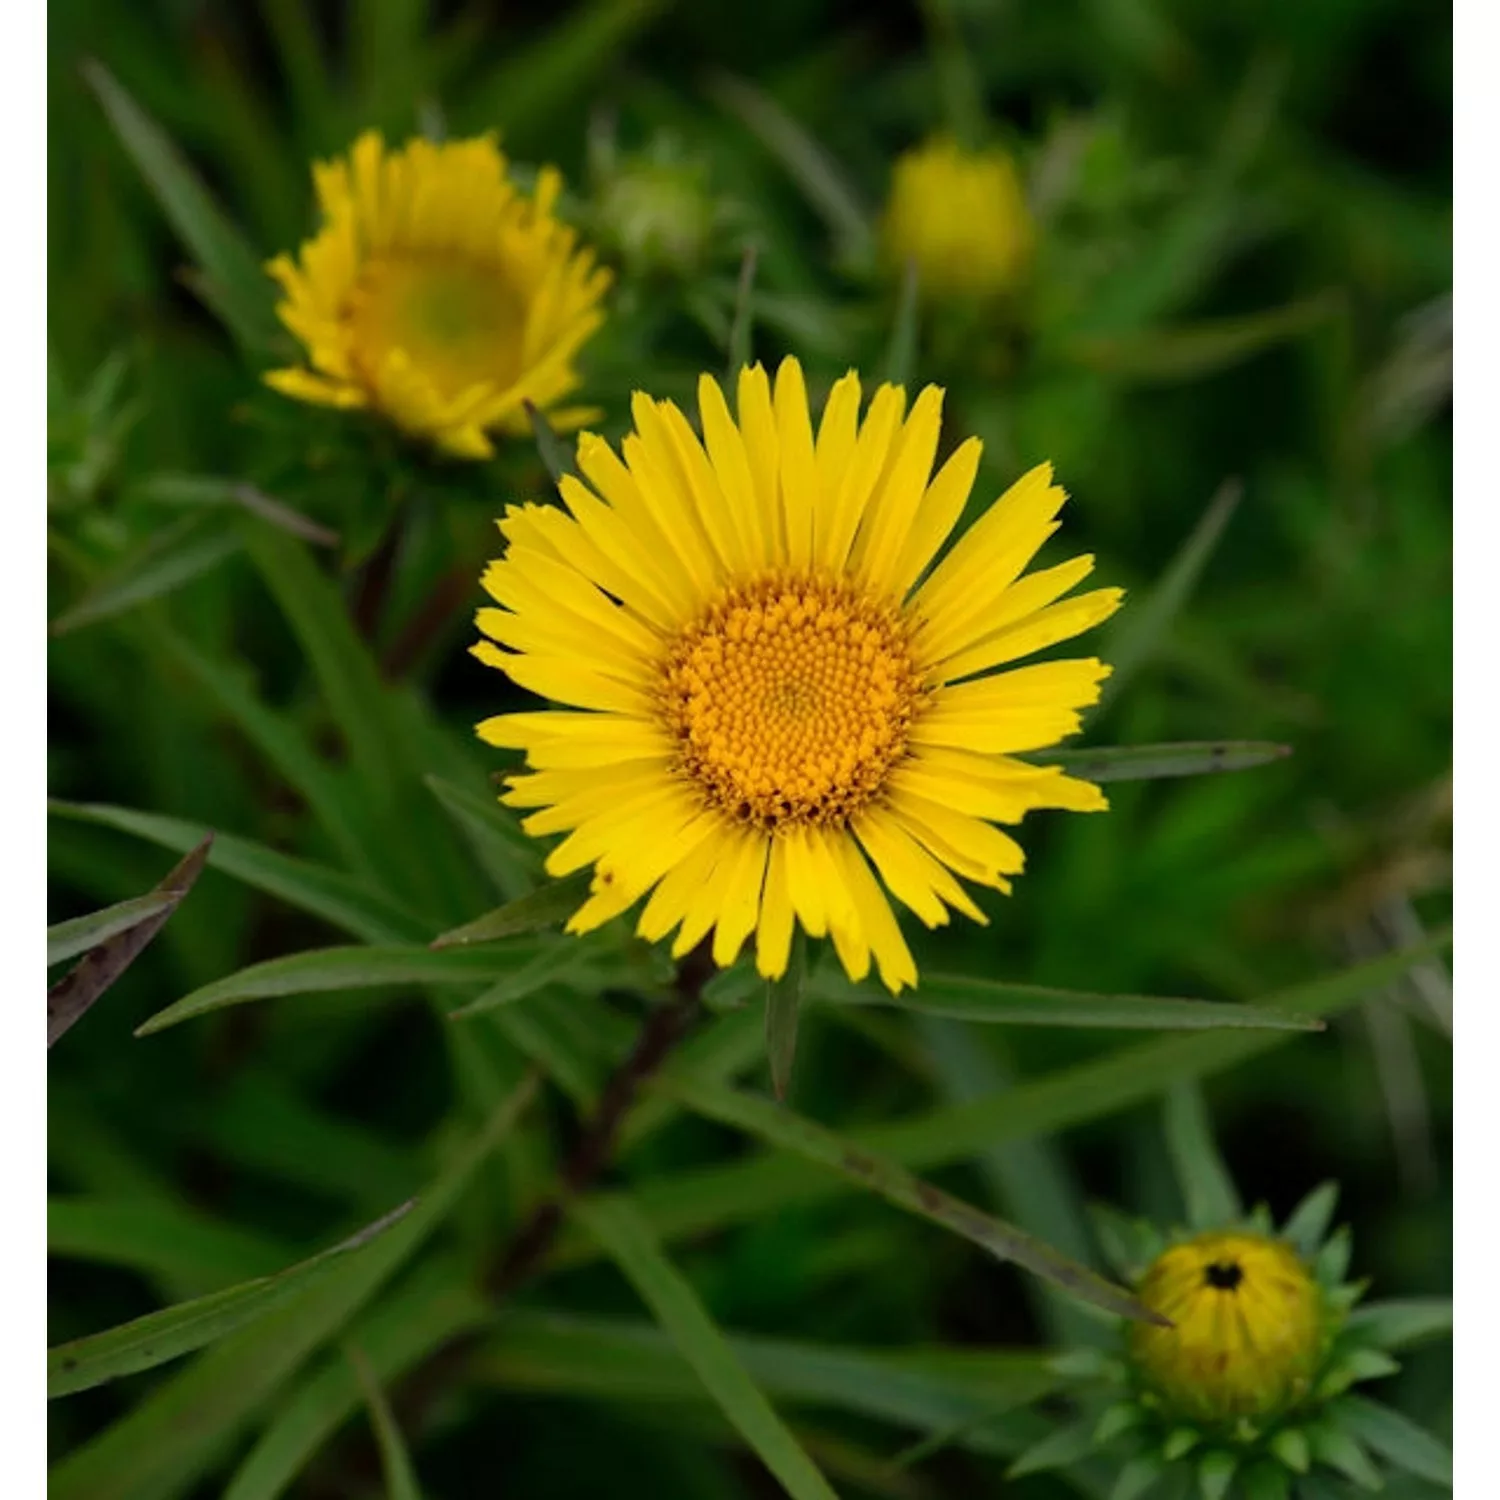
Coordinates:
(1028,1181)
(68,939)
(1208,1191)
(1351,1367)
(901,352)
(227,686)
(741,330)
(170,559)
(234,285)
(1064,1446)
(175,1331)
(164,1445)
(1216,1473)
(822,181)
(552,903)
(610,1359)
(1336,1448)
(177,1247)
(351,968)
(780,1127)
(390,737)
(1309,1221)
(1397,1439)
(1332,1262)
(697,1201)
(335,897)
(199,490)
(557,459)
(1129,1244)
(345,670)
(511,859)
(551,964)
(77,990)
(619,1228)
(395,1461)
(996,1001)
(1403,1324)
(783,997)
(1157,762)
(555,71)
(1157,355)
(1136,1477)
(1143,627)
(1290,1445)
(397,1334)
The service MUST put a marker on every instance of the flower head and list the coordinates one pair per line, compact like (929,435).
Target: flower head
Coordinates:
(770,686)
(961,216)
(1246,1325)
(1253,1383)
(437,294)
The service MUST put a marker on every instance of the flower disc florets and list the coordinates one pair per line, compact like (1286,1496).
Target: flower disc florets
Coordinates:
(790,698)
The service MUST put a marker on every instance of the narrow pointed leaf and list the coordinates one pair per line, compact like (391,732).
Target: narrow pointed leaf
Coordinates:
(175,1331)
(1397,1439)
(164,1445)
(68,939)
(551,963)
(395,1461)
(619,1228)
(1208,1191)
(790,1132)
(1309,1221)
(822,181)
(697,1201)
(1403,1324)
(351,968)
(609,1358)
(177,1247)
(901,352)
(1058,1449)
(1332,1445)
(550,448)
(206,490)
(512,861)
(1145,626)
(551,904)
(337,898)
(986,1000)
(1158,762)
(236,287)
(166,562)
(397,1334)
(741,330)
(77,990)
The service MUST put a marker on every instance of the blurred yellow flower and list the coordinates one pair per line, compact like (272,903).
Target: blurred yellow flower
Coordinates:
(1247,1327)
(771,687)
(961,216)
(438,295)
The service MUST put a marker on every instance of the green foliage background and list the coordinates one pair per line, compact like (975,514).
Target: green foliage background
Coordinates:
(1244,274)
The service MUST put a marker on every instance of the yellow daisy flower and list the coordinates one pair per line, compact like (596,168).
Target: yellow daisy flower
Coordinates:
(436,294)
(771,686)
(961,216)
(1246,1332)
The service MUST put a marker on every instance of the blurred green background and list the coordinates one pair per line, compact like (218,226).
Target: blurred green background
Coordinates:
(1243,274)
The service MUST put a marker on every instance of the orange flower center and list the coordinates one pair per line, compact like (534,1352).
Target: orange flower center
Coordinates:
(790,699)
